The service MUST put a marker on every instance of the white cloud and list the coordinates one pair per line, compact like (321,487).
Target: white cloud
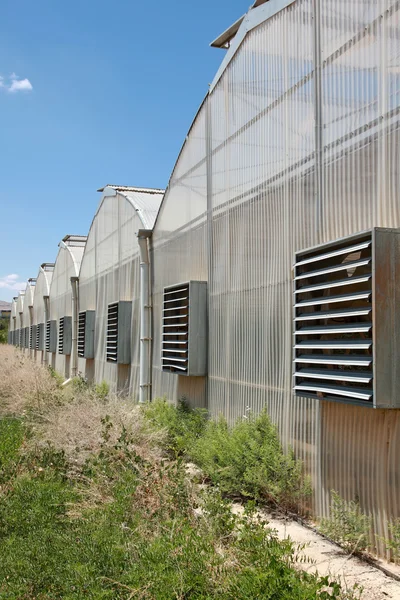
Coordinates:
(15,84)
(12,282)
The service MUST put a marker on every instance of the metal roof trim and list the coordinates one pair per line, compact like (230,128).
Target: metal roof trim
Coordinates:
(128,188)
(255,16)
(223,40)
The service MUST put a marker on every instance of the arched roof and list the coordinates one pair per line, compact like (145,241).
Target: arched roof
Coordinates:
(20,302)
(146,201)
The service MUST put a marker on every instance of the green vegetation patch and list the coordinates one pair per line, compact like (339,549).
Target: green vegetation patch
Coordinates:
(128,525)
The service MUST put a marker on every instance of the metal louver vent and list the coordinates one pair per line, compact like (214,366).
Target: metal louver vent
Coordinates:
(61,336)
(119,318)
(175,329)
(26,337)
(37,341)
(333,345)
(51,336)
(347,320)
(184,329)
(112,333)
(81,334)
(48,327)
(31,336)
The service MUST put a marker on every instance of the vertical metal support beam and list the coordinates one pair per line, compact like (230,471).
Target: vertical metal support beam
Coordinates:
(46,301)
(75,312)
(145,318)
(318,120)
(209,240)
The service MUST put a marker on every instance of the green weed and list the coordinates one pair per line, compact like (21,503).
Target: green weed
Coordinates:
(347,524)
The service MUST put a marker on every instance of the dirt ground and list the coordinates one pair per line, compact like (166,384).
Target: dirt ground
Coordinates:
(327,558)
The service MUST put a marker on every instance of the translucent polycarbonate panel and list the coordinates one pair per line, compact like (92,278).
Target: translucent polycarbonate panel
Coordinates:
(27,314)
(360,103)
(67,265)
(42,289)
(110,273)
(185,200)
(179,260)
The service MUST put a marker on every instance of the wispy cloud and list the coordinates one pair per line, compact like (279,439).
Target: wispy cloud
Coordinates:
(12,282)
(15,84)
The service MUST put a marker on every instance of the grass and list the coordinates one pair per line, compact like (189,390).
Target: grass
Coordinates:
(99,505)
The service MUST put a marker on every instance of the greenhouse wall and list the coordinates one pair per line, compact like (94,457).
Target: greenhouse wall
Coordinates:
(296,144)
(28,314)
(42,293)
(110,274)
(67,265)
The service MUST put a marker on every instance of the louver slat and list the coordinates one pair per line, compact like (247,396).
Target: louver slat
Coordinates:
(81,333)
(175,328)
(112,333)
(337,340)
(61,336)
(184,328)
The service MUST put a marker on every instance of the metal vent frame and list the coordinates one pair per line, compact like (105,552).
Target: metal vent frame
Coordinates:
(65,335)
(184,329)
(346,324)
(118,342)
(86,325)
(51,336)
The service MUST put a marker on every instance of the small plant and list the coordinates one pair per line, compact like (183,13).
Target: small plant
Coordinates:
(248,460)
(182,424)
(347,525)
(102,390)
(393,543)
(59,379)
(80,384)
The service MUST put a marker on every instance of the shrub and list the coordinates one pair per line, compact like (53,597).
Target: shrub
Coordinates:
(183,425)
(248,460)
(347,524)
(102,390)
(393,543)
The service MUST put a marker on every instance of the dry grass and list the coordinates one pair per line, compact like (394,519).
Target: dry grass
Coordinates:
(24,385)
(70,419)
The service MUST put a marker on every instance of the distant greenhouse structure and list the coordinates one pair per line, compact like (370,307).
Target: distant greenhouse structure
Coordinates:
(266,275)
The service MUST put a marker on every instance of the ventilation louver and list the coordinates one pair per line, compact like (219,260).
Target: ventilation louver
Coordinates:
(30,336)
(342,333)
(81,334)
(86,334)
(61,336)
(37,341)
(184,327)
(51,336)
(119,316)
(26,337)
(65,335)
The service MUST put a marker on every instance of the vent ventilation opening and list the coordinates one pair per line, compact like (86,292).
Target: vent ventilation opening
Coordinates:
(184,329)
(31,337)
(37,341)
(112,333)
(175,329)
(333,350)
(81,334)
(61,336)
(48,330)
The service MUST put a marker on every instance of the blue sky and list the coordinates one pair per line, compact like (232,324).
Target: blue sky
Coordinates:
(93,92)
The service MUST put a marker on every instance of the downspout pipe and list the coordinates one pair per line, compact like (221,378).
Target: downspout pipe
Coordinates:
(145,317)
(46,318)
(74,348)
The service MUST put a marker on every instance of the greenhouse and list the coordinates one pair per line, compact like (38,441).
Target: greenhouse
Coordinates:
(61,326)
(12,332)
(21,324)
(266,275)
(109,288)
(27,317)
(41,300)
(296,145)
